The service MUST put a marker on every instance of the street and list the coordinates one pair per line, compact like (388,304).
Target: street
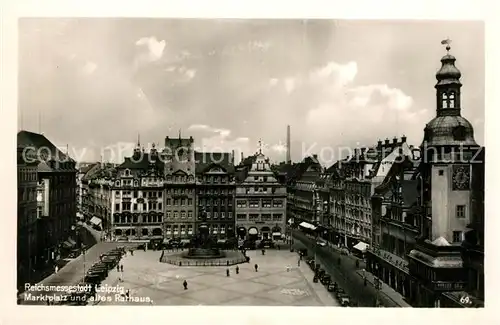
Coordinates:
(345,273)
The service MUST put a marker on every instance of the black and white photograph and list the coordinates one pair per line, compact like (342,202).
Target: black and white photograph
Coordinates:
(250,162)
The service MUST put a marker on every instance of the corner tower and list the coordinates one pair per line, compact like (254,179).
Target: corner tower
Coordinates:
(448,150)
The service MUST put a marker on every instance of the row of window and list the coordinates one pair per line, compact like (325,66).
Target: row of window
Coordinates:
(215,202)
(265,203)
(137,194)
(27,175)
(259,189)
(137,219)
(212,228)
(179,202)
(181,214)
(260,217)
(223,191)
(128,206)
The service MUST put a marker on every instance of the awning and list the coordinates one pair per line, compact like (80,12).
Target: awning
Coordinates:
(276,234)
(362,247)
(221,241)
(185,241)
(252,231)
(96,221)
(307,225)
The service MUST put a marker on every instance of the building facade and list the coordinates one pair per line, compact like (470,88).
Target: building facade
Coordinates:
(180,187)
(215,192)
(27,183)
(302,204)
(56,195)
(137,198)
(260,201)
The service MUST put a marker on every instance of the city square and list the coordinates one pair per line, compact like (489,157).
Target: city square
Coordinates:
(262,171)
(271,285)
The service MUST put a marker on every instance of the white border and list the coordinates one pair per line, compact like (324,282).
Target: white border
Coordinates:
(368,9)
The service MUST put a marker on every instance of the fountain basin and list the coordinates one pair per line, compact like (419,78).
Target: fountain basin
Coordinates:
(204,253)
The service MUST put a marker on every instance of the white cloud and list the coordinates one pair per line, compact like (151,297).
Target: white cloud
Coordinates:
(154,49)
(339,110)
(89,68)
(289,85)
(279,148)
(219,140)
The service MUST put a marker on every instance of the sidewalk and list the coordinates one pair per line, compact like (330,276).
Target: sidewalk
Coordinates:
(385,289)
(326,297)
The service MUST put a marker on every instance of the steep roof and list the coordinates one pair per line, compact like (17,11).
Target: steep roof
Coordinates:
(37,141)
(85,169)
(205,160)
(143,162)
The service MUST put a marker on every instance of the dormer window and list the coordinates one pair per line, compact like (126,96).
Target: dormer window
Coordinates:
(127,172)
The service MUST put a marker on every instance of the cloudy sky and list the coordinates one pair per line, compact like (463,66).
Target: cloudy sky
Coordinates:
(97,83)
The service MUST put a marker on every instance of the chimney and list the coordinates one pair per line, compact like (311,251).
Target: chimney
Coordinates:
(315,156)
(288,140)
(241,157)
(232,157)
(395,140)
(379,144)
(403,139)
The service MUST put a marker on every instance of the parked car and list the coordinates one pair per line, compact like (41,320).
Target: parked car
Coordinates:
(331,287)
(344,301)
(320,273)
(339,293)
(326,279)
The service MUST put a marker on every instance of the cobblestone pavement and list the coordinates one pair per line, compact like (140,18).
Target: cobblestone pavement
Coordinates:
(158,283)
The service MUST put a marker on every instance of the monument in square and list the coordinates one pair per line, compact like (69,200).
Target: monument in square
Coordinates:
(205,247)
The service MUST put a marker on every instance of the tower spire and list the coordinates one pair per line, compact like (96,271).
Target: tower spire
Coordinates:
(179,133)
(448,85)
(138,140)
(260,146)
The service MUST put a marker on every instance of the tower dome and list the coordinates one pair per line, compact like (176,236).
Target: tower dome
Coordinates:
(448,128)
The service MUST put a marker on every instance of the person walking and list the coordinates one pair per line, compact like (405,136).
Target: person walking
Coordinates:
(263,252)
(237,269)
(256,267)
(185,284)
(118,267)
(121,268)
(298,262)
(227,272)
(288,268)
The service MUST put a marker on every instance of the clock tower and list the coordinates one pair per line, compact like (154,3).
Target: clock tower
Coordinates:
(448,150)
(447,193)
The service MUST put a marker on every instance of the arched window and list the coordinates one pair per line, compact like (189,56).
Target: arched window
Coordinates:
(452,100)
(444,97)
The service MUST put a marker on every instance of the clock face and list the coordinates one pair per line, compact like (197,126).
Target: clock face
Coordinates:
(461,178)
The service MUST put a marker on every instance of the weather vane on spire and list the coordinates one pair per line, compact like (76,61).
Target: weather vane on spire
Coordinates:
(447,41)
